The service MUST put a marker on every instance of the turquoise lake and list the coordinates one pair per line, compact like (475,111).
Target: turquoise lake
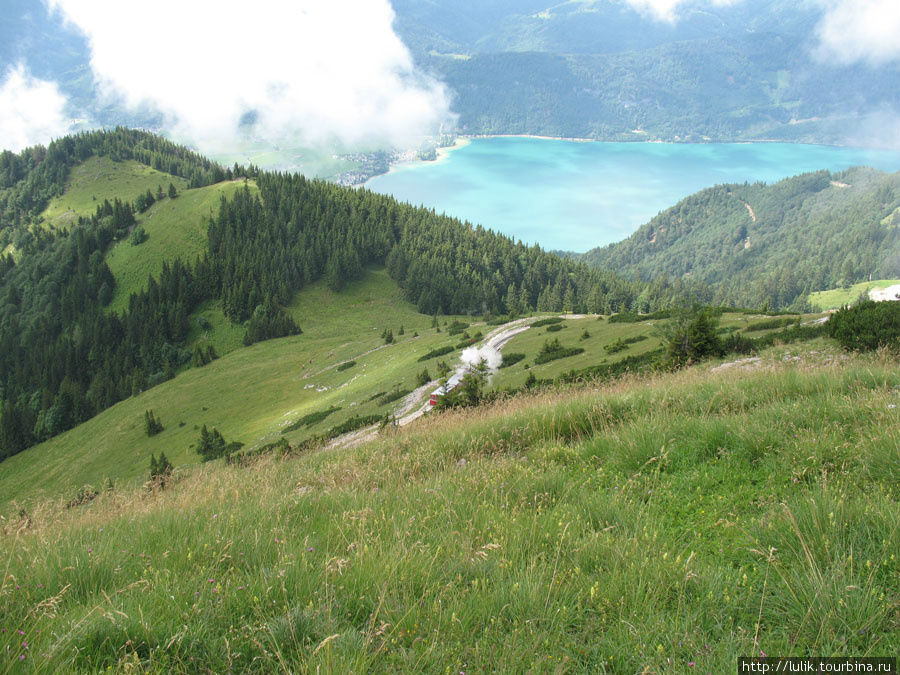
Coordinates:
(573,196)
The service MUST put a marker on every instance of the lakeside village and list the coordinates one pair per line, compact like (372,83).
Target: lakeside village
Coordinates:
(378,162)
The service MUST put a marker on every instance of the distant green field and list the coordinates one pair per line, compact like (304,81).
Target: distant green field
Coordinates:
(99,178)
(837,297)
(288,155)
(176,228)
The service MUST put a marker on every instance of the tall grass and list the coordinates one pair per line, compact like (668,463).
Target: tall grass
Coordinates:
(655,524)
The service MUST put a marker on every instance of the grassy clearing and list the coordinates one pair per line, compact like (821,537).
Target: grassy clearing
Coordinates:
(210,326)
(838,297)
(649,525)
(99,178)
(176,229)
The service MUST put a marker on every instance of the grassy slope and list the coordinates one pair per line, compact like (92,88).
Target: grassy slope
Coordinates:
(601,333)
(838,297)
(176,229)
(648,526)
(249,395)
(99,178)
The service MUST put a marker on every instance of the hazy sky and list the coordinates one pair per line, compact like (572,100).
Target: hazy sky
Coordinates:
(314,71)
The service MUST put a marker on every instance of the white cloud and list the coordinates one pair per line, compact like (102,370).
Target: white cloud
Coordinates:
(667,10)
(31,111)
(318,70)
(859,31)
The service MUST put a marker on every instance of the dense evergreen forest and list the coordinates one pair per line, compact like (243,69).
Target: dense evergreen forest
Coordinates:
(772,245)
(64,356)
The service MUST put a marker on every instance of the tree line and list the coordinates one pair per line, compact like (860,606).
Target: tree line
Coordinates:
(807,233)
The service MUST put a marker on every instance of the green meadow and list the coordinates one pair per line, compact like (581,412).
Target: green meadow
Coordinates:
(667,523)
(176,228)
(838,297)
(99,178)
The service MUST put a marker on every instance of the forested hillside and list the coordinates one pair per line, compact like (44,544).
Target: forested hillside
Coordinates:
(771,244)
(64,355)
(730,71)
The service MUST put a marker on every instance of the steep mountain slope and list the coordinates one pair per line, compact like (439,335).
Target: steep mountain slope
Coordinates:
(771,244)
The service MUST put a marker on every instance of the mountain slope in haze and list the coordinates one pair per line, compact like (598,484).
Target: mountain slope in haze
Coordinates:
(771,244)
(603,70)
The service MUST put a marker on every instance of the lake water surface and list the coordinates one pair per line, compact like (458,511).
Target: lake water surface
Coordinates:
(574,196)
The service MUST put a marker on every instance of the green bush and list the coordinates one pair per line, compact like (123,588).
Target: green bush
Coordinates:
(634,317)
(310,419)
(552,350)
(549,321)
(353,424)
(345,366)
(392,396)
(440,351)
(866,326)
(456,327)
(212,445)
(511,358)
(152,424)
(693,336)
(160,469)
(615,347)
(771,324)
(138,236)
